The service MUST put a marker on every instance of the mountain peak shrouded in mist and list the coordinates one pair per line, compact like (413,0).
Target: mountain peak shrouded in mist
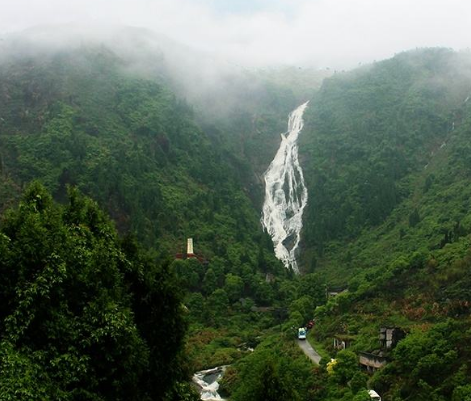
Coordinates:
(167,114)
(210,82)
(193,74)
(336,34)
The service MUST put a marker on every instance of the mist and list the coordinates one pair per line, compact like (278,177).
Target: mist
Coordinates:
(220,54)
(336,34)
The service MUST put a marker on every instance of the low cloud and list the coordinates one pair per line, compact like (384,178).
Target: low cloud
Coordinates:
(321,33)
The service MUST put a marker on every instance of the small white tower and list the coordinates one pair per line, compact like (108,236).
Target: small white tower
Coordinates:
(189,247)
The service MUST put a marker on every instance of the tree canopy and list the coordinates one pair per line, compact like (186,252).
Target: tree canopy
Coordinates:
(84,314)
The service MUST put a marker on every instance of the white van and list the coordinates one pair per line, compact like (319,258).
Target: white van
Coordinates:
(302,332)
(374,395)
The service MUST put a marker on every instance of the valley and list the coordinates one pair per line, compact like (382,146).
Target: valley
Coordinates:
(337,198)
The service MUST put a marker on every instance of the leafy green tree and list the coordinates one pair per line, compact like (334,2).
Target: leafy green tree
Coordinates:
(305,306)
(209,282)
(288,291)
(189,272)
(263,292)
(218,302)
(414,218)
(346,367)
(313,286)
(295,321)
(272,386)
(84,316)
(234,287)
(218,265)
(266,384)
(426,354)
(195,304)
(358,382)
(462,393)
(362,396)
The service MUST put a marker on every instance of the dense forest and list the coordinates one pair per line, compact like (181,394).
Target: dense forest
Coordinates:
(97,307)
(85,314)
(388,219)
(78,118)
(375,134)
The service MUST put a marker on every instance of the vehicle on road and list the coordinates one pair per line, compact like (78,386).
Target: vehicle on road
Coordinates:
(302,332)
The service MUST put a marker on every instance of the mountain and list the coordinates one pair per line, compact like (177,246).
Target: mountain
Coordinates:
(172,143)
(379,143)
(241,109)
(84,117)
(76,118)
(385,240)
(385,152)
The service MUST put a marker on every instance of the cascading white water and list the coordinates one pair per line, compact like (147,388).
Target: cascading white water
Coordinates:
(207,381)
(286,194)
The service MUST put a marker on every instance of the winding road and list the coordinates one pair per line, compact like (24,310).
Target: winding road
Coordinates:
(310,352)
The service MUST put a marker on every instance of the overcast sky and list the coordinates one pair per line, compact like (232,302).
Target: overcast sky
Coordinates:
(323,33)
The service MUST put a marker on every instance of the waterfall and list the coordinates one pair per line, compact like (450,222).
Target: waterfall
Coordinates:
(207,382)
(286,194)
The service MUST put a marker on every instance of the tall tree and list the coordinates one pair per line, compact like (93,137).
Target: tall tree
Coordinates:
(83,315)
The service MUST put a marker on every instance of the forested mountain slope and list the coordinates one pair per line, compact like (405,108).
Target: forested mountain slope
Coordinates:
(241,110)
(386,157)
(77,117)
(81,116)
(85,315)
(376,141)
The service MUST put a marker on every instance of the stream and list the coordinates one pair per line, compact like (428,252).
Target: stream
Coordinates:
(207,383)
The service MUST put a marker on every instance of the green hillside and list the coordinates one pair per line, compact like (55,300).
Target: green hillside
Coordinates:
(85,315)
(380,144)
(386,157)
(78,118)
(385,151)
